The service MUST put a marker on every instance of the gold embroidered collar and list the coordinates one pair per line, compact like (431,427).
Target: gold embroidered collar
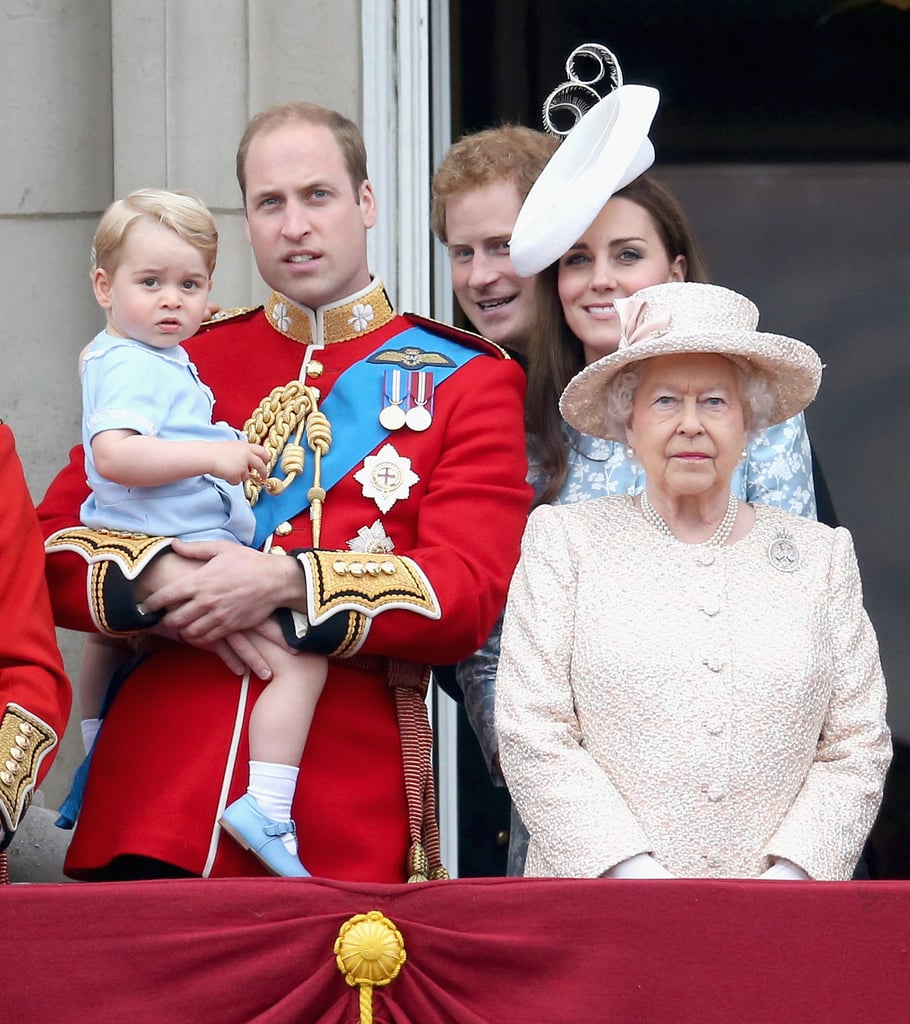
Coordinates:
(367,310)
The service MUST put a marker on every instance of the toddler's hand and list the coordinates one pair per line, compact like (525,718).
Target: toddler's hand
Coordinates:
(236,461)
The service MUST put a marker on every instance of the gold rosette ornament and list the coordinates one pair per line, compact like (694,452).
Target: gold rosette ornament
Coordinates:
(369,952)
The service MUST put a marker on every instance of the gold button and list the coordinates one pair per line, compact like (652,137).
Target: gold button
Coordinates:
(314,368)
(283,529)
(356,568)
(340,567)
(6,778)
(21,741)
(388,568)
(24,727)
(16,753)
(373,568)
(12,766)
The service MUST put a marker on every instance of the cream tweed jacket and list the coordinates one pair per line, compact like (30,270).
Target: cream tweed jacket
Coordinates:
(715,707)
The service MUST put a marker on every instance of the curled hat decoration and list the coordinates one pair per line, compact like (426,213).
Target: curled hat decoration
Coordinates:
(578,95)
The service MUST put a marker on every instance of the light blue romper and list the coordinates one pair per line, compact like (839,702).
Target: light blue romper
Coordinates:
(128,385)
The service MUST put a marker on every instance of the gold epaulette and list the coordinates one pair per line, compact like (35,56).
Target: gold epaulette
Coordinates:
(352,581)
(226,315)
(24,741)
(468,338)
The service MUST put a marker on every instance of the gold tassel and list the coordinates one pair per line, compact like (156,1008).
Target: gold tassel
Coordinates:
(289,411)
(319,438)
(418,864)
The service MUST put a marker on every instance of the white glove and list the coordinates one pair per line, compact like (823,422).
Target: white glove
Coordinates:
(642,865)
(783,870)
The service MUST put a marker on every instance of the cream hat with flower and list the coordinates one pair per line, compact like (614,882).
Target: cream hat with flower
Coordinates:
(607,149)
(686,317)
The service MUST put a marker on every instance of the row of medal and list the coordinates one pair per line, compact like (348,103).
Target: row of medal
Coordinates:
(407,400)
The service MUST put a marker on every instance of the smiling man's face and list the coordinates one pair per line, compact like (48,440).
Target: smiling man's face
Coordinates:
(498,302)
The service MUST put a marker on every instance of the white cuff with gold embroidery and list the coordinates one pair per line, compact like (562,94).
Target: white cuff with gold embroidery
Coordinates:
(24,742)
(131,551)
(351,581)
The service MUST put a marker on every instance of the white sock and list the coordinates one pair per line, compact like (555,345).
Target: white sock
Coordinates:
(272,787)
(90,727)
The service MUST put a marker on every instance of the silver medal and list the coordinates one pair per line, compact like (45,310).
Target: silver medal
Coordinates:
(420,392)
(392,416)
(418,418)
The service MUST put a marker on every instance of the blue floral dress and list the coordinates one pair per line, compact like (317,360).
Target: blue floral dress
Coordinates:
(777,470)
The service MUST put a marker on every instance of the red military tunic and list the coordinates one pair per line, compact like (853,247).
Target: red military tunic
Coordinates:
(174,750)
(35,694)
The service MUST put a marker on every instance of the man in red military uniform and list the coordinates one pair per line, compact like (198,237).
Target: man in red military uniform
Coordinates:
(401,516)
(35,694)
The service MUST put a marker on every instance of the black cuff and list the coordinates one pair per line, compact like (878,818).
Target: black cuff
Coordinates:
(327,638)
(122,612)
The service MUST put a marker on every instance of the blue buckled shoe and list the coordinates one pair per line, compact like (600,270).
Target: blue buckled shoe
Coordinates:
(244,821)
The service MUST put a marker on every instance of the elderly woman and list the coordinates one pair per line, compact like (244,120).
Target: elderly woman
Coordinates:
(689,685)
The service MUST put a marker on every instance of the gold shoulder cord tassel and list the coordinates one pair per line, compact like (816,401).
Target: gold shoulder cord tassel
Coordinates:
(286,411)
(369,952)
(319,438)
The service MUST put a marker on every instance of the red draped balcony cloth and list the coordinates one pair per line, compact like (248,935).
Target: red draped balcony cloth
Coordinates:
(481,951)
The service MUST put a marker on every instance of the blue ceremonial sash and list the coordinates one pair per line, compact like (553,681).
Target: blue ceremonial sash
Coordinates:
(354,433)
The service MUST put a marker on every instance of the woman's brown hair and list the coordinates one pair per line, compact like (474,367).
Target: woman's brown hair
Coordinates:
(555,354)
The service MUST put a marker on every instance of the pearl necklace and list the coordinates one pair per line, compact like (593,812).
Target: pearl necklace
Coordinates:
(716,540)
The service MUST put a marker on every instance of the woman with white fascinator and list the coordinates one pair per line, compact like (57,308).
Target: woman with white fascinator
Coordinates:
(689,685)
(596,228)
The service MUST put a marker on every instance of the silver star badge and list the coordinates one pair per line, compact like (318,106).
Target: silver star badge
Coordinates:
(386,477)
(372,540)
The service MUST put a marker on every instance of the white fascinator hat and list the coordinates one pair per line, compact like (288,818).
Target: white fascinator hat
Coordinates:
(607,149)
